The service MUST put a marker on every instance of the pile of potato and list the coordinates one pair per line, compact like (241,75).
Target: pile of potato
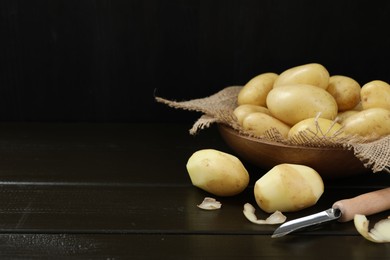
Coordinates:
(306,98)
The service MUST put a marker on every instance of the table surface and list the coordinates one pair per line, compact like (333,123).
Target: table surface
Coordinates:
(117,191)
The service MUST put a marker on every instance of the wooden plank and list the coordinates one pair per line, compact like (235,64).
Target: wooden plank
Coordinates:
(142,209)
(99,153)
(112,153)
(166,246)
(94,190)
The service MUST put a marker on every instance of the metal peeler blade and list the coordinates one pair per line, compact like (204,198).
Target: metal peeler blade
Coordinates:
(307,221)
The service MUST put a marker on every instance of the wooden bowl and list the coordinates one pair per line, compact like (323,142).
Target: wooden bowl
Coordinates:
(330,163)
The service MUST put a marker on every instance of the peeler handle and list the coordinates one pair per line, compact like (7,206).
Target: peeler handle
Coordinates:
(365,204)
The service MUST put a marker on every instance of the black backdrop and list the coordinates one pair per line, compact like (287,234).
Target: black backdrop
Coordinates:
(84,60)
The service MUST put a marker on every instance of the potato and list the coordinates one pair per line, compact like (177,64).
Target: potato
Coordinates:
(359,107)
(375,93)
(341,116)
(256,90)
(216,172)
(372,123)
(258,123)
(319,127)
(345,90)
(243,110)
(294,103)
(288,188)
(312,74)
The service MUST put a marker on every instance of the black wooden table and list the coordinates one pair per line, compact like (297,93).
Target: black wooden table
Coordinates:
(121,191)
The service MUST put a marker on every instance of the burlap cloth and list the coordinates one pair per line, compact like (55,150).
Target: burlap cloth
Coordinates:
(218,108)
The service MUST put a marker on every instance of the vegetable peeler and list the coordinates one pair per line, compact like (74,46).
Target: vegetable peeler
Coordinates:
(342,211)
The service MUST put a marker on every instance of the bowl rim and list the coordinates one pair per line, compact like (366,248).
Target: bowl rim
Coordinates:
(272,143)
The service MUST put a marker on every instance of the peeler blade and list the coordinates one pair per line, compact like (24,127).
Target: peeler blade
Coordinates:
(307,221)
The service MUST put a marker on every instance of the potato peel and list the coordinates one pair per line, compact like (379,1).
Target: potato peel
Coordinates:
(275,218)
(210,204)
(380,233)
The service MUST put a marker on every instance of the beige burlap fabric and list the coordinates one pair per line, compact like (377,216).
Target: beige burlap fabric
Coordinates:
(218,108)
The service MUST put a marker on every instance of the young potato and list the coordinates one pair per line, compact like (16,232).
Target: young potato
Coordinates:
(315,127)
(216,172)
(258,123)
(341,116)
(256,90)
(294,103)
(312,74)
(371,122)
(359,107)
(243,110)
(288,188)
(375,93)
(345,90)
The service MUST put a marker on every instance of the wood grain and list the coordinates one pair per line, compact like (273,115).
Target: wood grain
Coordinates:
(80,190)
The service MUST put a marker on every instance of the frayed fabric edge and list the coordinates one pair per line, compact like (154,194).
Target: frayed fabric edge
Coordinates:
(203,122)
(374,155)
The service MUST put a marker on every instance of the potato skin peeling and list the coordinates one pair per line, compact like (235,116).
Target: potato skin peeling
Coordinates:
(210,204)
(380,233)
(288,188)
(275,218)
(218,173)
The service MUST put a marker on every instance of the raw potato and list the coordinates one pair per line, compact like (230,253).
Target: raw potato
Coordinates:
(288,188)
(313,74)
(294,103)
(375,93)
(380,233)
(315,127)
(371,123)
(341,116)
(243,110)
(359,107)
(258,123)
(218,173)
(345,90)
(256,90)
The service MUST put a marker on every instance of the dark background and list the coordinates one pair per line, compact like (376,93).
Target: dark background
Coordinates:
(102,61)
